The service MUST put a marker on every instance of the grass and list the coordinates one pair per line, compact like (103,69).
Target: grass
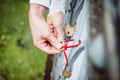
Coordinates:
(19,60)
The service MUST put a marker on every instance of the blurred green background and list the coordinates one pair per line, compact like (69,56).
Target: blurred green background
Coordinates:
(19,60)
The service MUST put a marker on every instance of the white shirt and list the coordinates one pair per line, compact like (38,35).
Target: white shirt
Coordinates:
(53,5)
(41,2)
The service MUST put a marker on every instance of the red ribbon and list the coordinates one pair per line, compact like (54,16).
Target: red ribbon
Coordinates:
(72,46)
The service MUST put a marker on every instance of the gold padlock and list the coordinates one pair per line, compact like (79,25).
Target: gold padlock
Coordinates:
(66,74)
(69,30)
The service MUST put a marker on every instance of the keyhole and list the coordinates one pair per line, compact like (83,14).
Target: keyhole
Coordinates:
(68,32)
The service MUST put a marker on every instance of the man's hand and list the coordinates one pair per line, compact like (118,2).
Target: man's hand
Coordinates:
(55,22)
(43,38)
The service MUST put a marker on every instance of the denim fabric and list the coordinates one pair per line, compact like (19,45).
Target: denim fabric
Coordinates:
(79,68)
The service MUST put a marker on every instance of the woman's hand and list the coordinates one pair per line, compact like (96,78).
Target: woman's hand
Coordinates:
(55,22)
(43,37)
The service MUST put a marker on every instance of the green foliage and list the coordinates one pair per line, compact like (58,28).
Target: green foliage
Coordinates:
(19,60)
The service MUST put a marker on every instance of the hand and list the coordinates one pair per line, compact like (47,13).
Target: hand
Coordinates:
(43,37)
(55,22)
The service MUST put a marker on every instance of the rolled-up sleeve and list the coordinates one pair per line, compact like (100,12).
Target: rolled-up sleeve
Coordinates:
(41,2)
(56,6)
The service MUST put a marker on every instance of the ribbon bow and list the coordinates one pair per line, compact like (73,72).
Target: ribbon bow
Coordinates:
(65,47)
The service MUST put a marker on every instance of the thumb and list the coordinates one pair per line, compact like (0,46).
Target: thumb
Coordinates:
(53,40)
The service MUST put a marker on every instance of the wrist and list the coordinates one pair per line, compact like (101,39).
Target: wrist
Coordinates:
(37,10)
(55,9)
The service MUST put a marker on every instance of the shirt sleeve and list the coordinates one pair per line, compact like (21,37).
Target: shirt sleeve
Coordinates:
(56,6)
(41,2)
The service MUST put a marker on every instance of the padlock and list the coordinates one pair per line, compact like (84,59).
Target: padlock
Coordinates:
(69,30)
(66,74)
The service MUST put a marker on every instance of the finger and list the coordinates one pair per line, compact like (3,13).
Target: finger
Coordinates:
(53,40)
(51,26)
(59,33)
(47,48)
(49,22)
(52,30)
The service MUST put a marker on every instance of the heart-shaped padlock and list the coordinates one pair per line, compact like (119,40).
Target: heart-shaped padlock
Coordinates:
(69,30)
(66,74)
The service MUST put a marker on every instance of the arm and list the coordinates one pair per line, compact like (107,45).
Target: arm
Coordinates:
(56,16)
(43,38)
